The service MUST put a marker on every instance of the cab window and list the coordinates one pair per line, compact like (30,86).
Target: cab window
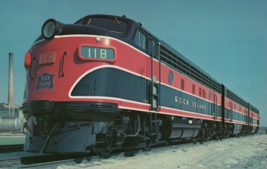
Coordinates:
(154,48)
(140,40)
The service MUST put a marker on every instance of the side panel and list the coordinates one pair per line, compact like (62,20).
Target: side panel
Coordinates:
(113,82)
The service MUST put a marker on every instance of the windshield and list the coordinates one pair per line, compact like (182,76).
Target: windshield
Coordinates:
(112,24)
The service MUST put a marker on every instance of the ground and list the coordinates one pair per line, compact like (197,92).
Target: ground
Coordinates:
(242,152)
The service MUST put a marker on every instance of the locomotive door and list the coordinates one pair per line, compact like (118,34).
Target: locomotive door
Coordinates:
(215,111)
(153,50)
(231,111)
(251,119)
(248,115)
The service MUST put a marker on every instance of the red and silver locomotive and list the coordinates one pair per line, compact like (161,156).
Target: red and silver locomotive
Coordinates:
(105,83)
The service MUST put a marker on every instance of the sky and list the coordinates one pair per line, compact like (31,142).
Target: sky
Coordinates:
(226,38)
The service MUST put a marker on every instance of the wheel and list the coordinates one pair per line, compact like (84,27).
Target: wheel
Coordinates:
(102,152)
(147,147)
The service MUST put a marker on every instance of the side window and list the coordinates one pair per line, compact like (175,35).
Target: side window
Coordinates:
(140,39)
(154,48)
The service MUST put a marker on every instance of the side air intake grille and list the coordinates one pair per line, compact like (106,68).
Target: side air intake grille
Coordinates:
(174,61)
(235,98)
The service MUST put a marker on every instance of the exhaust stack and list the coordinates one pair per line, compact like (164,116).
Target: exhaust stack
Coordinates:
(11,86)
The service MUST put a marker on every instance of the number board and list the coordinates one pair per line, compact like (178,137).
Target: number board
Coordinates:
(97,53)
(47,58)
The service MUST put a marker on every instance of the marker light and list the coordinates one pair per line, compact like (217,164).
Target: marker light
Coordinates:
(98,39)
(49,29)
(27,60)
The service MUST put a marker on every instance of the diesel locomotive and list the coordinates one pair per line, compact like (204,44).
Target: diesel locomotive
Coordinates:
(106,83)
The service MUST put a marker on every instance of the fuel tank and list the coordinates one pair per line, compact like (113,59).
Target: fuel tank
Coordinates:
(10,124)
(180,127)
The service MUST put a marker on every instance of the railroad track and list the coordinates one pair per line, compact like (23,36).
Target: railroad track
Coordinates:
(35,163)
(90,158)
(46,161)
(11,148)
(52,161)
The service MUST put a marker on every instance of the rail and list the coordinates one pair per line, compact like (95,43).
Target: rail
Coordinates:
(11,148)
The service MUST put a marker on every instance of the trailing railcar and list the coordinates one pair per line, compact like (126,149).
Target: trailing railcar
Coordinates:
(105,83)
(241,116)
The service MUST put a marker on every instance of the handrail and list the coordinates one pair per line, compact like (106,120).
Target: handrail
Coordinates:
(62,67)
(30,73)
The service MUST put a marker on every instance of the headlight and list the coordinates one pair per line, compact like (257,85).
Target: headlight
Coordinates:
(49,29)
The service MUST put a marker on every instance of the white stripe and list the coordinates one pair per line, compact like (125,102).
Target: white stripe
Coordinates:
(103,97)
(94,36)
(38,42)
(130,108)
(163,112)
